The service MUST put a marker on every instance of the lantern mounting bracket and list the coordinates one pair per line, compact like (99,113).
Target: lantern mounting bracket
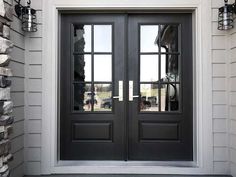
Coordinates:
(19,8)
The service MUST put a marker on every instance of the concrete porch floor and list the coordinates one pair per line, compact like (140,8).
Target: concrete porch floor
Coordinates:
(101,175)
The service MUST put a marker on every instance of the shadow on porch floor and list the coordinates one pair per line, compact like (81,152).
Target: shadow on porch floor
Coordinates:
(101,175)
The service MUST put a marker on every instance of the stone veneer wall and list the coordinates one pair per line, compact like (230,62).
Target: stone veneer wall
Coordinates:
(6,105)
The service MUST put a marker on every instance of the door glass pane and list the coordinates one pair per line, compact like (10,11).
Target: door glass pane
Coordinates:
(102,68)
(82,97)
(149,38)
(82,38)
(102,38)
(170,97)
(170,68)
(149,68)
(82,68)
(149,97)
(169,37)
(103,97)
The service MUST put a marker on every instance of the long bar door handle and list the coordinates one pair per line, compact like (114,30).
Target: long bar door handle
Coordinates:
(131,91)
(120,92)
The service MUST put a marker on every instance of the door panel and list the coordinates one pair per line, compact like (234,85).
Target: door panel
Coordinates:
(160,66)
(92,122)
(126,89)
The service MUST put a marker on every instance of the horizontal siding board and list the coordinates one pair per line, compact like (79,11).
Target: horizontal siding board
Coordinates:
(18,98)
(33,168)
(221,154)
(18,171)
(16,25)
(34,126)
(233,98)
(220,139)
(233,112)
(218,42)
(220,125)
(35,85)
(18,113)
(18,129)
(233,54)
(34,99)
(33,154)
(219,70)
(37,4)
(221,168)
(219,97)
(219,83)
(34,112)
(233,69)
(233,40)
(18,159)
(34,140)
(17,69)
(219,56)
(17,39)
(17,143)
(35,44)
(220,111)
(35,58)
(18,54)
(18,84)
(35,71)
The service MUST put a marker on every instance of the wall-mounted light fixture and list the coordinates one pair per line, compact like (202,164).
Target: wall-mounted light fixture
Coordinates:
(27,15)
(225,16)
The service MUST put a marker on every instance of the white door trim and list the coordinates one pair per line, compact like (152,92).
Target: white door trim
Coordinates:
(202,87)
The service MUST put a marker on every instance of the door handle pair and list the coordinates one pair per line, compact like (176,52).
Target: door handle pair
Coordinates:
(131,92)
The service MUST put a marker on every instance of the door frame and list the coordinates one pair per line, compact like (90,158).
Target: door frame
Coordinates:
(203,146)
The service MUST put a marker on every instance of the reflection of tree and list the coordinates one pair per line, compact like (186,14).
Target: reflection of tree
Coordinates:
(169,41)
(79,64)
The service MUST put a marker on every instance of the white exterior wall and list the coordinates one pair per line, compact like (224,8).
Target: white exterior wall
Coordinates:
(17,65)
(232,99)
(33,92)
(33,88)
(219,93)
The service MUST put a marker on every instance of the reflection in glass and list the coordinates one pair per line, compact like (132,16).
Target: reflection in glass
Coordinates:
(149,97)
(148,38)
(82,38)
(170,97)
(169,37)
(102,67)
(169,68)
(103,96)
(102,38)
(82,68)
(82,97)
(149,68)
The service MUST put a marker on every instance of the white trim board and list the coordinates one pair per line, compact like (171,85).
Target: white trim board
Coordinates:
(202,87)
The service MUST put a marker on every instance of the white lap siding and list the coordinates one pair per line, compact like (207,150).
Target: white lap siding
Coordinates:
(17,65)
(33,95)
(232,96)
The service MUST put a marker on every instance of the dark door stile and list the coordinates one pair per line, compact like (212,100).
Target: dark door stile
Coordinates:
(125,132)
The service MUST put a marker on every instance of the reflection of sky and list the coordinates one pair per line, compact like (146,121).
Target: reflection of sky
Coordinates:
(103,43)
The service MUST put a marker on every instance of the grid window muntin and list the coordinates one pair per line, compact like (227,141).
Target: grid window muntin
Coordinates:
(160,83)
(92,53)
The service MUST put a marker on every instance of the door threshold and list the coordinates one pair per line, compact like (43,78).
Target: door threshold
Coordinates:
(128,163)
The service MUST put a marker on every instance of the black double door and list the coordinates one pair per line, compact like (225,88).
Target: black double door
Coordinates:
(126,87)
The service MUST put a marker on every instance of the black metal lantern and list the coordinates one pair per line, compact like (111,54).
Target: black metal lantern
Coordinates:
(225,16)
(28,17)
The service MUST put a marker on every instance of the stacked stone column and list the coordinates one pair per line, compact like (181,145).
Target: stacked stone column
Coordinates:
(6,105)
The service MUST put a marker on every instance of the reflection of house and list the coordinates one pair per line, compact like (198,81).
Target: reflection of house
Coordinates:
(168,40)
(79,64)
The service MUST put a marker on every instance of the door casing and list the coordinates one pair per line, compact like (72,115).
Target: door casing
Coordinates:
(52,165)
